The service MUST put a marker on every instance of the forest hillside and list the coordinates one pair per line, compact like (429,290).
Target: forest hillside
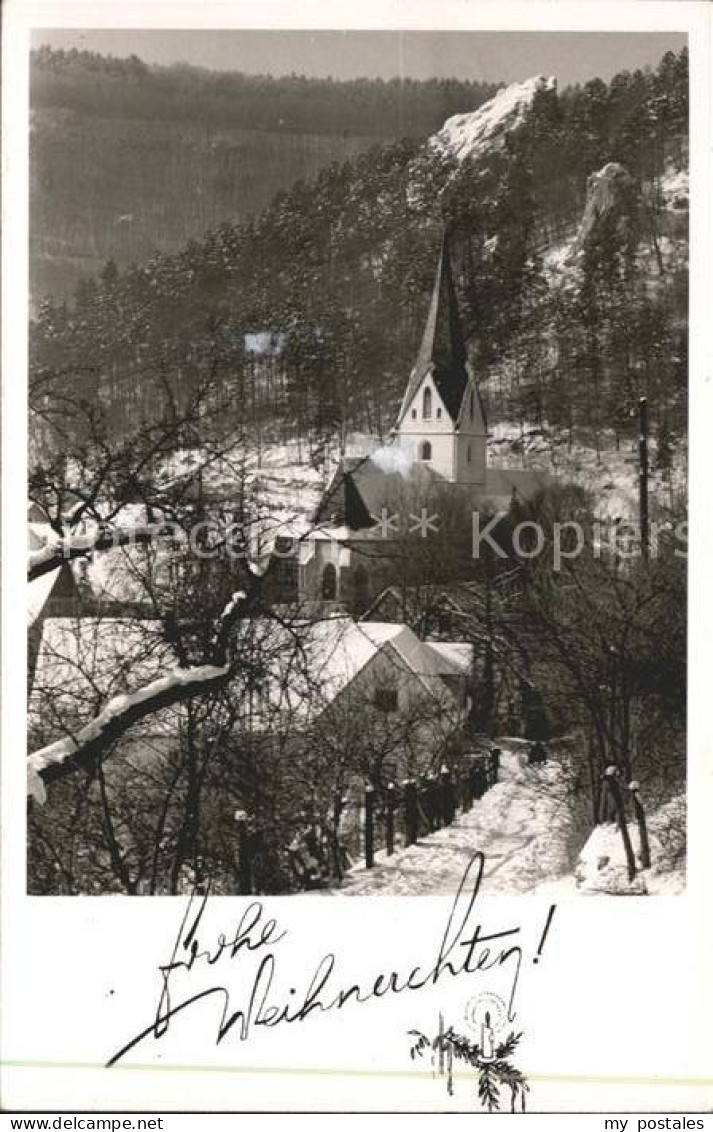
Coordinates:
(568,219)
(128,157)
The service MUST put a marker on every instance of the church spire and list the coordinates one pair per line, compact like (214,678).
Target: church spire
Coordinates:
(442,351)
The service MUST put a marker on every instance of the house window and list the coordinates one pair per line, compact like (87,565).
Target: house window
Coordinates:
(427,404)
(438,413)
(468,454)
(285,578)
(386,699)
(413,414)
(329,583)
(425,450)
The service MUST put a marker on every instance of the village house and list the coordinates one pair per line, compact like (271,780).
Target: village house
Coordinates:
(342,673)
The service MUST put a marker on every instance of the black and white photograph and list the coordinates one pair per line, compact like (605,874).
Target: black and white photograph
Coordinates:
(357,462)
(354,378)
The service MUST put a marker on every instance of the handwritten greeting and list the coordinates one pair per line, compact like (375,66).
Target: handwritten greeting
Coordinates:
(466,947)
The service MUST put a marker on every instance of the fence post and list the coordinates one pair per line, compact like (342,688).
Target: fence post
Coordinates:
(644,848)
(244,863)
(480,780)
(447,796)
(434,789)
(495,764)
(369,826)
(485,774)
(611,779)
(411,807)
(470,782)
(390,810)
(336,818)
(428,802)
(472,770)
(462,795)
(606,811)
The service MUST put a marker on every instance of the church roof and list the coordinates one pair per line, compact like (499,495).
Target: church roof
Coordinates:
(361,488)
(342,502)
(442,350)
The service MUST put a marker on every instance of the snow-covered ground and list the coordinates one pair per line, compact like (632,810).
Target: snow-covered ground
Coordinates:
(611,475)
(286,489)
(279,475)
(522,825)
(601,867)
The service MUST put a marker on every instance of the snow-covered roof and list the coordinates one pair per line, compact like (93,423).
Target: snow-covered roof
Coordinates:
(358,641)
(84,663)
(36,513)
(128,575)
(456,657)
(38,534)
(319,661)
(361,489)
(38,592)
(119,574)
(338,649)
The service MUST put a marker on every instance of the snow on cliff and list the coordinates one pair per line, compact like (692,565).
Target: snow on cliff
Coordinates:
(675,188)
(612,189)
(609,189)
(468,135)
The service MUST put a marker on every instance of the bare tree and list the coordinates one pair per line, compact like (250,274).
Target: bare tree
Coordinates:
(152,510)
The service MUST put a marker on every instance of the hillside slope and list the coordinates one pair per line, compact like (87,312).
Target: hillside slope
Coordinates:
(568,219)
(128,159)
(121,189)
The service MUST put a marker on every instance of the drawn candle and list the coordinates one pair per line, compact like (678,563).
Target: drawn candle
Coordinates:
(486,1039)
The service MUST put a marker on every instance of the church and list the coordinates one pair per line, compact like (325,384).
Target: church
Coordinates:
(439,443)
(441,421)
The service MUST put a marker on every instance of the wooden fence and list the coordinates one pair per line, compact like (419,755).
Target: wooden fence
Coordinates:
(395,816)
(419,806)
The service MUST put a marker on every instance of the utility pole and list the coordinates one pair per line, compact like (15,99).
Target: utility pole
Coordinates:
(644,477)
(489,667)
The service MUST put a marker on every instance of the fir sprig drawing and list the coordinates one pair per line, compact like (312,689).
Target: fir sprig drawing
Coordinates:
(491,1063)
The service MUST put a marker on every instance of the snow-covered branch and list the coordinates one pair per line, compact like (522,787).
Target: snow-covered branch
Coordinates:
(67,755)
(75,545)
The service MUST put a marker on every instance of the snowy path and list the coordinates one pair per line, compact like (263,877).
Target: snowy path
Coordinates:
(521,825)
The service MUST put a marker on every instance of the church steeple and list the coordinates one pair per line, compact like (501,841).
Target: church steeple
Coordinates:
(441,418)
(442,351)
